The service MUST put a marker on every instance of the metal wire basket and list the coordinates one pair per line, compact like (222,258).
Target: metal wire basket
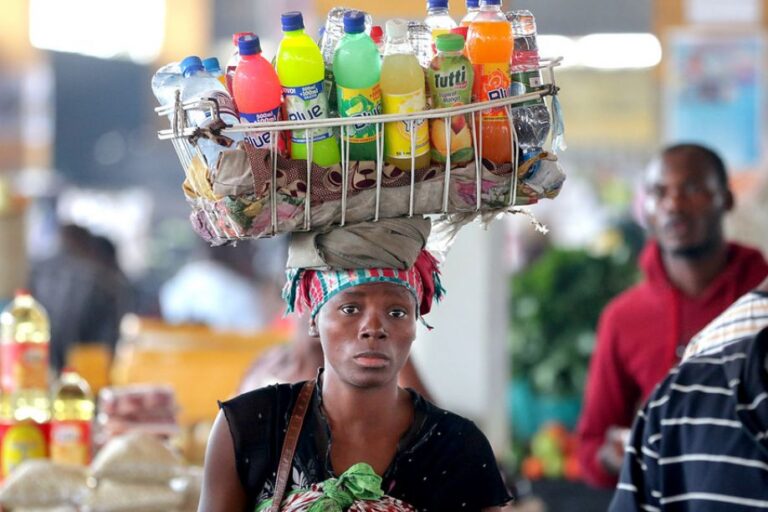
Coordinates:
(185,136)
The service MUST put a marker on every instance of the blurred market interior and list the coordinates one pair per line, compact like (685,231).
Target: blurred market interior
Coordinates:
(512,340)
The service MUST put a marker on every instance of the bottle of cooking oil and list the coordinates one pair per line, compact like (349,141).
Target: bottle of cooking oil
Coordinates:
(24,338)
(71,420)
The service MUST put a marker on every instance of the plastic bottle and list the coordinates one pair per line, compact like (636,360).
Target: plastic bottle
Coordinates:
(301,71)
(212,66)
(165,82)
(25,338)
(438,18)
(532,117)
(72,418)
(332,34)
(402,88)
(357,68)
(24,424)
(473,6)
(489,47)
(450,79)
(199,84)
(420,39)
(257,91)
(234,60)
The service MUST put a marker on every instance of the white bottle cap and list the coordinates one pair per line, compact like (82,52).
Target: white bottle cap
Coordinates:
(397,29)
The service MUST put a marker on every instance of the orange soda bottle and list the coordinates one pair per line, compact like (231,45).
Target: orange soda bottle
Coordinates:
(489,47)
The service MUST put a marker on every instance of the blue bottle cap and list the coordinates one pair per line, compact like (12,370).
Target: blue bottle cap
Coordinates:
(292,21)
(472,4)
(249,45)
(211,64)
(354,22)
(492,2)
(191,64)
(432,4)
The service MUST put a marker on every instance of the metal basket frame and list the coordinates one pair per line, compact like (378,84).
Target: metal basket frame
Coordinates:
(180,134)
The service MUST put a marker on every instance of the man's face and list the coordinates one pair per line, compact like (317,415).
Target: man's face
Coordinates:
(366,332)
(685,204)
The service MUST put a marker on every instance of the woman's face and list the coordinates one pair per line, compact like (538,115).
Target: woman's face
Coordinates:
(366,332)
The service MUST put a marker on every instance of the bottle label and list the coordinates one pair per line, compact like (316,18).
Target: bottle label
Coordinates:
(24,366)
(260,140)
(20,442)
(71,442)
(359,103)
(526,81)
(397,135)
(305,104)
(492,82)
(225,102)
(450,83)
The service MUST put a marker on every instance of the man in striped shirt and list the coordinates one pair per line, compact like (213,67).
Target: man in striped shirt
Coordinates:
(743,318)
(701,441)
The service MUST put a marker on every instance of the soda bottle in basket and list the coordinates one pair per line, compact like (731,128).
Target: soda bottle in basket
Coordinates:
(489,48)
(24,356)
(438,18)
(301,71)
(357,68)
(403,91)
(233,61)
(450,79)
(257,91)
(71,421)
(532,117)
(472,7)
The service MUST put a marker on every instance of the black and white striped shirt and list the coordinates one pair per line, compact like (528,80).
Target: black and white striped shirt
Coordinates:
(701,441)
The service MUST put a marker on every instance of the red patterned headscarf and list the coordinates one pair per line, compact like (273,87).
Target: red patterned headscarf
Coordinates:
(310,289)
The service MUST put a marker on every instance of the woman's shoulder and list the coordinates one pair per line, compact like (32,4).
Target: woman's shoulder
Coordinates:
(439,417)
(273,401)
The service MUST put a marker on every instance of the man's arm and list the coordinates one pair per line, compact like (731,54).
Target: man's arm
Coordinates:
(221,491)
(609,400)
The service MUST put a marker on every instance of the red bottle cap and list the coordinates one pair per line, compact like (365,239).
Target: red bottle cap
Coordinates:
(463,31)
(377,34)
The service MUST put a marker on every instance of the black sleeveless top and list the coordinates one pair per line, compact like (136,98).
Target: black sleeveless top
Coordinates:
(443,463)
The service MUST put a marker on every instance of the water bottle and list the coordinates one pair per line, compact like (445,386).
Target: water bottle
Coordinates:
(212,66)
(165,82)
(438,18)
(301,72)
(257,91)
(532,117)
(199,84)
(473,6)
(420,39)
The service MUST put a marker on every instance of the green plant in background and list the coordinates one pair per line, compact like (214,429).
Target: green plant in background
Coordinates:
(556,303)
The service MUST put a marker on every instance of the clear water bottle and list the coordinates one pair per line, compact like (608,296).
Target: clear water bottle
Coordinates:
(532,120)
(438,18)
(165,82)
(420,38)
(212,66)
(199,84)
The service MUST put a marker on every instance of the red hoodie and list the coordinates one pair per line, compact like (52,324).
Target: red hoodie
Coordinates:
(639,338)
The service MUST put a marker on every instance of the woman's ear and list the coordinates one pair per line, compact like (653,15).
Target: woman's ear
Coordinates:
(313,332)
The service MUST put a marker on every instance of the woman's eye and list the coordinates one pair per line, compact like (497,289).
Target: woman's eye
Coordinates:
(348,309)
(398,313)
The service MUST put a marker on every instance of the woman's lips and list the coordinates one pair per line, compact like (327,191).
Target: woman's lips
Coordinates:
(372,359)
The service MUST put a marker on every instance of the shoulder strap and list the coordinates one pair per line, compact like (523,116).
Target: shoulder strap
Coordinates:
(289,443)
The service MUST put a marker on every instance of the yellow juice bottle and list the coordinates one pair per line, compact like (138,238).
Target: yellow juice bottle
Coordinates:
(403,91)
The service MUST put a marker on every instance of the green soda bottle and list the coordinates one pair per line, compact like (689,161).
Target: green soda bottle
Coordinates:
(302,73)
(357,67)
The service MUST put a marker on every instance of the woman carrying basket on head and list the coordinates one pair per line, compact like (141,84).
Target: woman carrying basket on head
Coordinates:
(364,443)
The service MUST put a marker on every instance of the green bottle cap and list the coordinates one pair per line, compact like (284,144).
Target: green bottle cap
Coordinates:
(450,42)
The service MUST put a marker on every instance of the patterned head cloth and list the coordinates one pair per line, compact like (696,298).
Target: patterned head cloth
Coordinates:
(309,289)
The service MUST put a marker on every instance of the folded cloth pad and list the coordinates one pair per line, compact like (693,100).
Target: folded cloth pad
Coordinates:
(388,243)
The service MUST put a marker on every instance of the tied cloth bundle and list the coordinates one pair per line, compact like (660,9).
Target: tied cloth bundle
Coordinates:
(323,264)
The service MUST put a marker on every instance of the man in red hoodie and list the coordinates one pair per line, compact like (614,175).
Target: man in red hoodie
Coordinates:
(691,275)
